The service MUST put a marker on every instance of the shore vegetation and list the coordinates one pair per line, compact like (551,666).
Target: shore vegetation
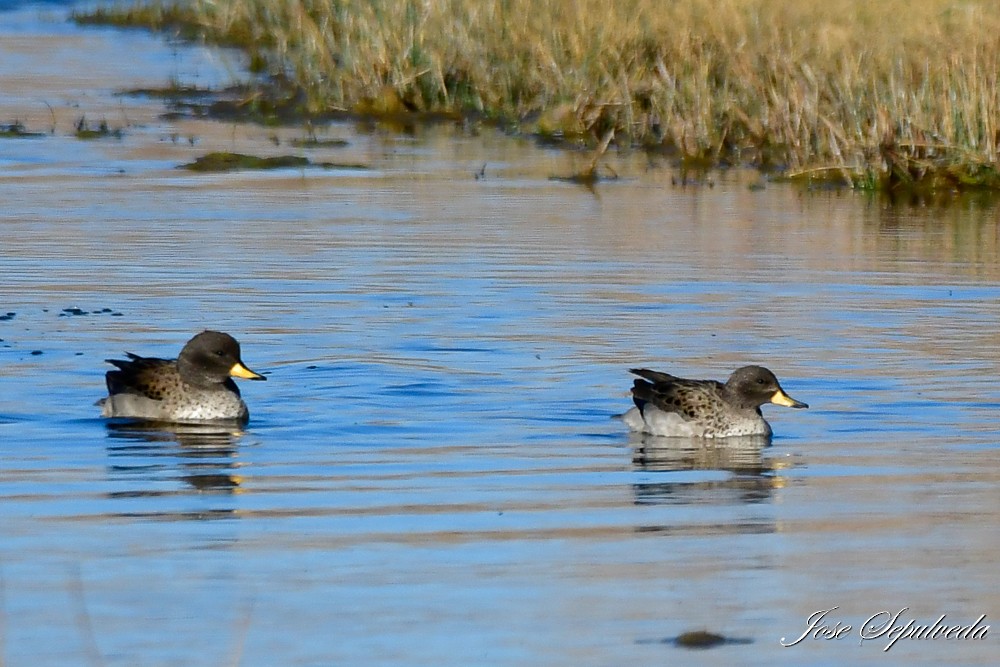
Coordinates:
(875,95)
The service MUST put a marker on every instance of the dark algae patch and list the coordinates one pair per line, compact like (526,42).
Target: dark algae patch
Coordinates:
(235,161)
(313,142)
(221,162)
(75,311)
(17,130)
(699,640)
(175,91)
(86,131)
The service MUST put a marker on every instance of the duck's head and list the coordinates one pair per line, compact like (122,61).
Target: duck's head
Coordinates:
(753,386)
(210,358)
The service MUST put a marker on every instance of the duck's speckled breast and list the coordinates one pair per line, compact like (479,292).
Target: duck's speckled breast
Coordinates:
(194,406)
(655,421)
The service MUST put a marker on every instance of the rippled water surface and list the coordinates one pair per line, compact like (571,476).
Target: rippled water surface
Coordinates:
(432,474)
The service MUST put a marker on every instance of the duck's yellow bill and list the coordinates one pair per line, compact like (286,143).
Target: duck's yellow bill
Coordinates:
(781,398)
(240,371)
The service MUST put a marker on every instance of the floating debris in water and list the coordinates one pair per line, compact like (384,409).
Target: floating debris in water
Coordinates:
(8,316)
(35,353)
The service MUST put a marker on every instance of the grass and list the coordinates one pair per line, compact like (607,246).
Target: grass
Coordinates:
(884,95)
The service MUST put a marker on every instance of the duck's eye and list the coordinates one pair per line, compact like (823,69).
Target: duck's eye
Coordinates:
(220,353)
(760,380)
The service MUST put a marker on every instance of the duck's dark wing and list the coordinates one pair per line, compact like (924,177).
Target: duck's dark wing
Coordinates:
(144,376)
(653,376)
(688,398)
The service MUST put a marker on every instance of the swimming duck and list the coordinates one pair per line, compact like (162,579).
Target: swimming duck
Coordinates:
(197,386)
(670,406)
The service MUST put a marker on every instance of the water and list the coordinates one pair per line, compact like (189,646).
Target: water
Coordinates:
(432,474)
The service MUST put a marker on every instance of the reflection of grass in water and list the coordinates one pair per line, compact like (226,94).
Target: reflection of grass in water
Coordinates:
(874,95)
(85,625)
(590,176)
(82,618)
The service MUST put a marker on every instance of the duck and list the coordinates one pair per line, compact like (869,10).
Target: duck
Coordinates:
(670,406)
(197,386)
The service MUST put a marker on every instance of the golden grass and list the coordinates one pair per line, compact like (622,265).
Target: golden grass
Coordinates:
(876,93)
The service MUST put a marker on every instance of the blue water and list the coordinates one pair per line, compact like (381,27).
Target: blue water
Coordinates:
(432,474)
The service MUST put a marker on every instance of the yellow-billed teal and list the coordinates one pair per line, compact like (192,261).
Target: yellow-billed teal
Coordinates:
(670,406)
(197,386)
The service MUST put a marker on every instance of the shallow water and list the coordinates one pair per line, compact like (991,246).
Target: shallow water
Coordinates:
(432,474)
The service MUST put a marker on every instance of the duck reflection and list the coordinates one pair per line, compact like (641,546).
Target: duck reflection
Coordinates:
(751,480)
(203,456)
